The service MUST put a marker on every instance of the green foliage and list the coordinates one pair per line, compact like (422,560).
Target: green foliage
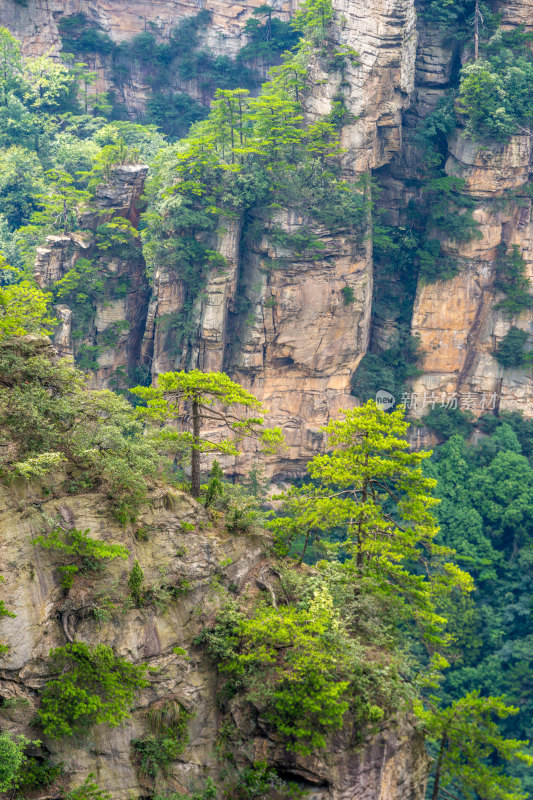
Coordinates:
(81,552)
(209,792)
(455,18)
(111,155)
(214,487)
(415,249)
(167,741)
(313,17)
(348,295)
(181,55)
(175,113)
(249,152)
(470,746)
(11,758)
(135,583)
(266,40)
(4,612)
(431,135)
(447,213)
(485,515)
(511,279)
(48,84)
(88,790)
(24,309)
(21,182)
(203,398)
(259,780)
(93,685)
(446,422)
(36,773)
(61,205)
(370,487)
(113,333)
(300,669)
(76,38)
(92,281)
(47,411)
(510,351)
(392,370)
(495,95)
(118,236)
(10,64)
(160,593)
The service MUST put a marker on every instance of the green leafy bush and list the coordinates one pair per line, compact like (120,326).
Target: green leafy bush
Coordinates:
(496,96)
(93,685)
(47,410)
(4,612)
(209,792)
(11,758)
(135,583)
(259,780)
(486,515)
(168,740)
(511,351)
(446,422)
(511,279)
(88,790)
(175,113)
(37,774)
(298,667)
(83,553)
(392,370)
(348,295)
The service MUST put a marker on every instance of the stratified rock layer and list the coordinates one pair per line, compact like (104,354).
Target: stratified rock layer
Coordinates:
(457,321)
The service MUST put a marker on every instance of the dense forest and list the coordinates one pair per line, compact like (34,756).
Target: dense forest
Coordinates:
(391,577)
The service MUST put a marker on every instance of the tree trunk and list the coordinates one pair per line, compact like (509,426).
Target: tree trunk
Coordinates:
(195,450)
(438,769)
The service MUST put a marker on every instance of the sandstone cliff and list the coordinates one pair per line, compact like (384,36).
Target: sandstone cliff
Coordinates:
(176,543)
(36,24)
(296,344)
(458,325)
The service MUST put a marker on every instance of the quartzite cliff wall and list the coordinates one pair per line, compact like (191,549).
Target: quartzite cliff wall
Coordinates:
(299,344)
(304,343)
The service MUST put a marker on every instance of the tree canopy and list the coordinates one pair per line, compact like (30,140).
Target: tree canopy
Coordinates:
(211,400)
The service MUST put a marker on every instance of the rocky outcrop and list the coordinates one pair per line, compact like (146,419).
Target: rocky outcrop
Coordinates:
(36,25)
(176,543)
(36,22)
(114,326)
(456,320)
(298,342)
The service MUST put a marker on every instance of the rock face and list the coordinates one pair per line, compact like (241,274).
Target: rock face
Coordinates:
(176,544)
(456,320)
(458,324)
(36,24)
(114,325)
(298,344)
